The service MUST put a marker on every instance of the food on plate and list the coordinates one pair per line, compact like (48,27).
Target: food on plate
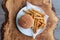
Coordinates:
(39,19)
(26,21)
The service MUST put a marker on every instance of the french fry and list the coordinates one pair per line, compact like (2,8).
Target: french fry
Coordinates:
(27,12)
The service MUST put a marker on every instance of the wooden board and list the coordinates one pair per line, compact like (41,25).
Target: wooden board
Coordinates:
(10,31)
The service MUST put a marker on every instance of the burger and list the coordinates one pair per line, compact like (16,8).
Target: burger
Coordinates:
(26,21)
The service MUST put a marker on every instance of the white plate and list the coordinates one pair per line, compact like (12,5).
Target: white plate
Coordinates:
(28,31)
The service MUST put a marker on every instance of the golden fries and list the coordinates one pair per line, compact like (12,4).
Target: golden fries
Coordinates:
(38,19)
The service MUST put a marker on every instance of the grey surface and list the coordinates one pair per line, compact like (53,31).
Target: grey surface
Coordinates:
(57,8)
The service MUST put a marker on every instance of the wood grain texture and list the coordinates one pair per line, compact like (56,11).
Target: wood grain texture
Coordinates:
(10,30)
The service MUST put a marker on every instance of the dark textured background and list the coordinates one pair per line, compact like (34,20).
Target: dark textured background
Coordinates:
(56,4)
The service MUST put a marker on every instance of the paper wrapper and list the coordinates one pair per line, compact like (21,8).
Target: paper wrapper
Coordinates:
(30,6)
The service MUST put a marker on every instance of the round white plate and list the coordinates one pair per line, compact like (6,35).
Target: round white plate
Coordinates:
(29,31)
